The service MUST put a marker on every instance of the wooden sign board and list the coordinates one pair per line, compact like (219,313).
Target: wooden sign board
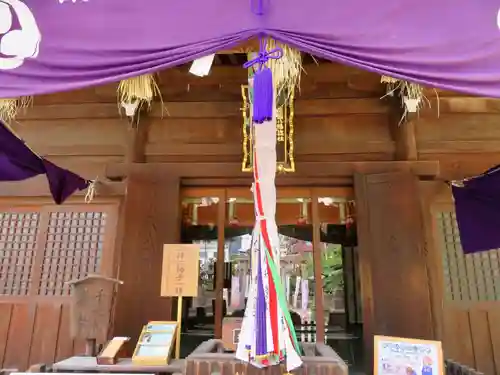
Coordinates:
(180,270)
(284,132)
(231,328)
(155,344)
(403,356)
(91,306)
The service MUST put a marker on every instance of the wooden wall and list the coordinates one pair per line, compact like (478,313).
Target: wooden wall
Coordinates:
(201,120)
(465,289)
(339,117)
(35,332)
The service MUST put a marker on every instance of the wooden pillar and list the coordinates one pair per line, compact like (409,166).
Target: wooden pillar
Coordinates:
(403,130)
(394,277)
(219,275)
(137,136)
(318,269)
(151,219)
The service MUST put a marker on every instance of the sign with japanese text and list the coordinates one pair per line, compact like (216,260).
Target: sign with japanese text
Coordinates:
(180,270)
(403,356)
(231,328)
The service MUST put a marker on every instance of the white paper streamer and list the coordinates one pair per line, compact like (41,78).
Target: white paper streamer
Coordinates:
(235,292)
(265,149)
(295,303)
(305,294)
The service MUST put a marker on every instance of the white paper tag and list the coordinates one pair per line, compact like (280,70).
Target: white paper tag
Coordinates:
(201,67)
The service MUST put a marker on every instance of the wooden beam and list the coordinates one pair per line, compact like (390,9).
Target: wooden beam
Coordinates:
(251,45)
(286,180)
(402,129)
(38,187)
(191,88)
(200,109)
(459,147)
(427,169)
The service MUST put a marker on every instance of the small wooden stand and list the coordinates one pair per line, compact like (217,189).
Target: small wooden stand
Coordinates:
(92,300)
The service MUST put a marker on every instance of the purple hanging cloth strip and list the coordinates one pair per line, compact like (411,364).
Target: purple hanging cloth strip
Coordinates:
(477,208)
(18,162)
(263,93)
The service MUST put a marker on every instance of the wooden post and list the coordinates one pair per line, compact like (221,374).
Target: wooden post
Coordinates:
(137,136)
(402,131)
(219,276)
(318,267)
(179,326)
(151,219)
(394,279)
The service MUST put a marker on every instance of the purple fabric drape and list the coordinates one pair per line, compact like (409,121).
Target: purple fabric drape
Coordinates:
(18,162)
(452,44)
(477,207)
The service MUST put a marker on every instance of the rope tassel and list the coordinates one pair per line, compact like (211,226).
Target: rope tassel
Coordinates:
(263,91)
(263,96)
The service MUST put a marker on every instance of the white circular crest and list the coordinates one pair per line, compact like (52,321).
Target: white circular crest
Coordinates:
(19,44)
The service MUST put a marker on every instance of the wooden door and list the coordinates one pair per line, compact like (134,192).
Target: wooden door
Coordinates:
(395,288)
(42,246)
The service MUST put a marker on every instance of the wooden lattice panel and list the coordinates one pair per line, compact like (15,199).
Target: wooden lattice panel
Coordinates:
(18,239)
(467,278)
(73,249)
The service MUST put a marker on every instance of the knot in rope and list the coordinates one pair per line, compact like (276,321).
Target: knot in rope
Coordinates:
(264,56)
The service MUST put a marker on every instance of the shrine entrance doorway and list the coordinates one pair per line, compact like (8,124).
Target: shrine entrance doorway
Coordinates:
(317,243)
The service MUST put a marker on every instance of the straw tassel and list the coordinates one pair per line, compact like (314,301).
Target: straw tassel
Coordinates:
(263,96)
(91,191)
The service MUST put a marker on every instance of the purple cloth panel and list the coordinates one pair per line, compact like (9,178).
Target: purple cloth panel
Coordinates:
(18,163)
(477,207)
(451,44)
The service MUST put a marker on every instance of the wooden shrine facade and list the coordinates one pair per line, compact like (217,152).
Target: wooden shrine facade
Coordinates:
(415,281)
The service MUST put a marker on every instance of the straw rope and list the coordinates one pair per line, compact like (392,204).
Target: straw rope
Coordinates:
(91,191)
(407,90)
(9,108)
(287,70)
(142,89)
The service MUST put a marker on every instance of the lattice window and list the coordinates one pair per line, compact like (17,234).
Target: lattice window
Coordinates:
(472,277)
(18,238)
(72,251)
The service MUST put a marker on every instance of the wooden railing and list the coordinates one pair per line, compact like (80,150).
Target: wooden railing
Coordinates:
(319,359)
(455,368)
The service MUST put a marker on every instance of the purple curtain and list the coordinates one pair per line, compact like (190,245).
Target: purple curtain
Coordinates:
(452,44)
(18,162)
(477,207)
